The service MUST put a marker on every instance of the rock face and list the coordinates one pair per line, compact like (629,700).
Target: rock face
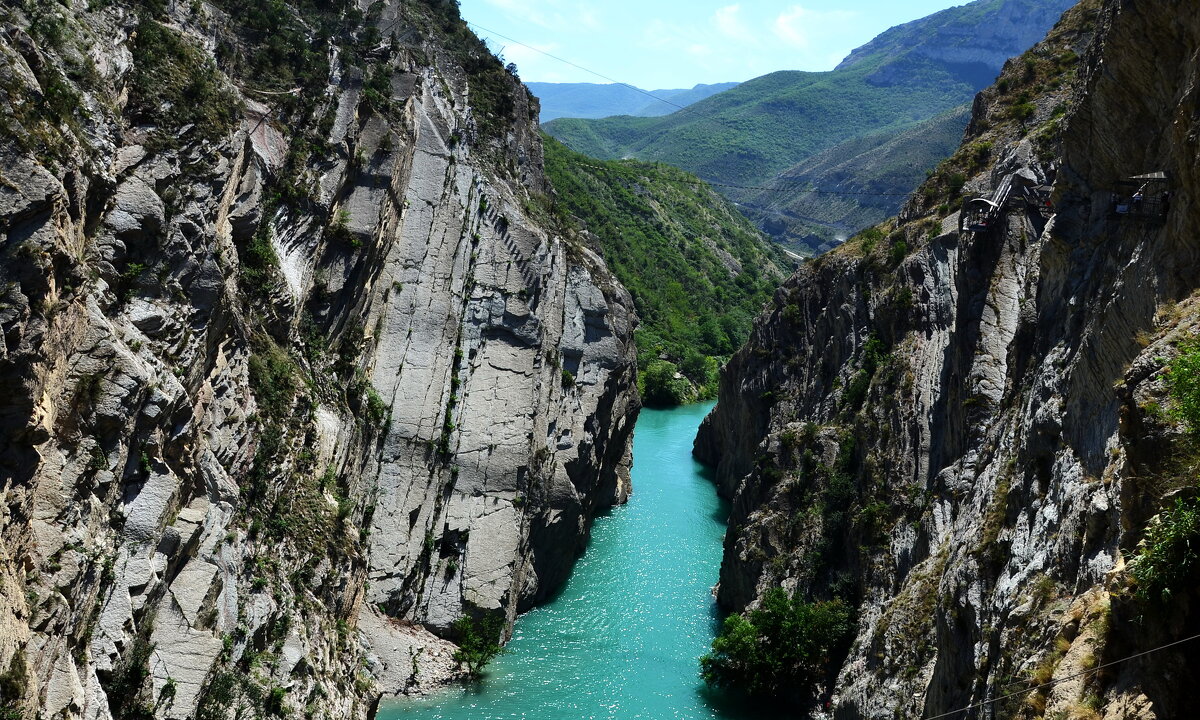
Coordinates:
(960,431)
(285,332)
(956,38)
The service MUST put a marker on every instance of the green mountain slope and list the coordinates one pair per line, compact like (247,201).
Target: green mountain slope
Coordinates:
(766,126)
(875,171)
(697,269)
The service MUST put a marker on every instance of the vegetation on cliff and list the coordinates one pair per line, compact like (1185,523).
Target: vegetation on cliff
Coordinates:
(782,647)
(697,270)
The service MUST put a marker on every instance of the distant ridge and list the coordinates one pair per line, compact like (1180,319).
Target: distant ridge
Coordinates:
(595,100)
(764,130)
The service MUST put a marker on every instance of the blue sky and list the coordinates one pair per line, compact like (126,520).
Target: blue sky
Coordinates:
(660,44)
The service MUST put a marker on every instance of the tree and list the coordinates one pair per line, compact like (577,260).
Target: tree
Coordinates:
(478,642)
(783,646)
(660,387)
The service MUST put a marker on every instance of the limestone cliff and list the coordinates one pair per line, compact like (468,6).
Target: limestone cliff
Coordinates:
(286,336)
(962,432)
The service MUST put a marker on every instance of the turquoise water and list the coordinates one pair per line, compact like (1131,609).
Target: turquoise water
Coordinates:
(622,639)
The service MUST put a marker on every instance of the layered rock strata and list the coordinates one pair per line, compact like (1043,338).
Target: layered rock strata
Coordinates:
(960,431)
(286,338)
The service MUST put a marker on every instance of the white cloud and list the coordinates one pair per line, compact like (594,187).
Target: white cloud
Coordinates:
(728,22)
(797,25)
(790,29)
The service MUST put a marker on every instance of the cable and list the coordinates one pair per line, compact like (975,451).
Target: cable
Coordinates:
(1052,683)
(700,182)
(579,67)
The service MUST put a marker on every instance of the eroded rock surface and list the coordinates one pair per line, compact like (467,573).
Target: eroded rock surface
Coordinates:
(282,367)
(956,431)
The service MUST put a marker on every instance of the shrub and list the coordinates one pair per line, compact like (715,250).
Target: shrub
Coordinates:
(273,380)
(1167,560)
(660,386)
(478,642)
(782,647)
(1183,380)
(870,238)
(274,703)
(258,258)
(173,84)
(13,684)
(1023,111)
(955,182)
(377,409)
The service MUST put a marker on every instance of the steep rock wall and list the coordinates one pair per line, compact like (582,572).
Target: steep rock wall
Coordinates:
(958,431)
(283,365)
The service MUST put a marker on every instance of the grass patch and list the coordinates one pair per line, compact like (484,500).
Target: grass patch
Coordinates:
(173,84)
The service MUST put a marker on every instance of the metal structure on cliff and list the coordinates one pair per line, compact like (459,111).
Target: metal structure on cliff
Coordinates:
(1142,196)
(982,214)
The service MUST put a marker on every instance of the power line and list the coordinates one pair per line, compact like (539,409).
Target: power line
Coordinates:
(1052,683)
(579,67)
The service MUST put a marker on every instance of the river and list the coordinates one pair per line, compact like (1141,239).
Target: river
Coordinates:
(621,640)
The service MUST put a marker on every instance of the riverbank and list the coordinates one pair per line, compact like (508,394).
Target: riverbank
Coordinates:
(621,641)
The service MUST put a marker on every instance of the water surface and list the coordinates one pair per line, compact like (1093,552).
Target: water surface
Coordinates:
(622,639)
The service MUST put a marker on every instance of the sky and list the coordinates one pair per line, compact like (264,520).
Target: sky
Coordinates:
(666,44)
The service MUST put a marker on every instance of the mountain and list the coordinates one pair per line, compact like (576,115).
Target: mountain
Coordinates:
(593,100)
(284,370)
(969,456)
(859,182)
(757,131)
(697,270)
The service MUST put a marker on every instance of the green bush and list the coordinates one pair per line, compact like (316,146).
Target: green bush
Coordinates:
(1183,379)
(257,256)
(274,703)
(783,647)
(1167,561)
(13,685)
(1023,111)
(660,387)
(377,409)
(173,84)
(273,381)
(478,642)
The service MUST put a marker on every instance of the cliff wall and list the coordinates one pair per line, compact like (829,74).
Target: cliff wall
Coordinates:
(963,433)
(286,329)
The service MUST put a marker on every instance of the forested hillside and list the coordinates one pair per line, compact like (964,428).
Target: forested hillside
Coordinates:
(698,271)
